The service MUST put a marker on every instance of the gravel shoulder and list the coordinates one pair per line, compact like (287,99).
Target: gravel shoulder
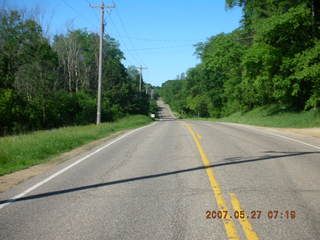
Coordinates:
(310,132)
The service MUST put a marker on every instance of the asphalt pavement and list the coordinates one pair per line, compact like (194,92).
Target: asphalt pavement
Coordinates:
(175,179)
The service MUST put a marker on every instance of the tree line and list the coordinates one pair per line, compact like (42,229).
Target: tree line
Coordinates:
(47,84)
(272,58)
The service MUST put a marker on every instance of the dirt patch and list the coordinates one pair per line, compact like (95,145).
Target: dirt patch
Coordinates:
(9,180)
(310,132)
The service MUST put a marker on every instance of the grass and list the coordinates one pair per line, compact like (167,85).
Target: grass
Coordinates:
(23,151)
(274,116)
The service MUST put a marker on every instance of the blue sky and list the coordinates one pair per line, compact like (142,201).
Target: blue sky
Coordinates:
(156,34)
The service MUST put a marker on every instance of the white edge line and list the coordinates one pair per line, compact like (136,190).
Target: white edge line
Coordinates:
(278,135)
(11,200)
(295,140)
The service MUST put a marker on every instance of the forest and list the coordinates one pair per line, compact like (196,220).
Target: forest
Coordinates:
(46,83)
(273,58)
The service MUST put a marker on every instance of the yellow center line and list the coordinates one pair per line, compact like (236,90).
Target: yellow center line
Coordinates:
(199,136)
(245,224)
(228,223)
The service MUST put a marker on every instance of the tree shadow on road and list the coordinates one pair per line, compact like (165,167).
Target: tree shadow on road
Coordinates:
(228,161)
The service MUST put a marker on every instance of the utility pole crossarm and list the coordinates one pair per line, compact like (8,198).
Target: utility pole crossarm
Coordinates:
(102,7)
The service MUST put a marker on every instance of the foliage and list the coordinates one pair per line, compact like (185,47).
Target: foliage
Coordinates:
(275,116)
(22,151)
(46,85)
(273,58)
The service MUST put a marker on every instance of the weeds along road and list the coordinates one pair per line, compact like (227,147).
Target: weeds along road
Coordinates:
(175,179)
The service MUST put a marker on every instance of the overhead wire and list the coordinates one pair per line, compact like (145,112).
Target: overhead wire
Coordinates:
(95,13)
(117,10)
(77,13)
(162,40)
(157,48)
(124,45)
(87,21)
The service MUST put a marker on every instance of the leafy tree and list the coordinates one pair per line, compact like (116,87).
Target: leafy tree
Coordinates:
(273,58)
(45,85)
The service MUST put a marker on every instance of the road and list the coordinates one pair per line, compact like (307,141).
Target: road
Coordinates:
(161,182)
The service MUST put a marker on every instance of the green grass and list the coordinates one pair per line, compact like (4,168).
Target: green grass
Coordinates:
(274,116)
(22,151)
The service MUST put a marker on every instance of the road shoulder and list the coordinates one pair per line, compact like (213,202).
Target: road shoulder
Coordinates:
(306,132)
(10,180)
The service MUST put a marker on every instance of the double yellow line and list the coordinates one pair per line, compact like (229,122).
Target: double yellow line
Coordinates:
(228,222)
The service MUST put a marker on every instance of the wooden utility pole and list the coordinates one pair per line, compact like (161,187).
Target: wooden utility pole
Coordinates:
(140,82)
(102,7)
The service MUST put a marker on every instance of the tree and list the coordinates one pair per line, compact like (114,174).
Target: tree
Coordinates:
(273,58)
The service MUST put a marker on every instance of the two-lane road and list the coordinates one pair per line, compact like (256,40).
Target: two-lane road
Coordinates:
(161,182)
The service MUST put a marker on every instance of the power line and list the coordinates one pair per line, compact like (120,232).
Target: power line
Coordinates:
(77,13)
(93,9)
(125,31)
(157,48)
(136,60)
(124,44)
(161,40)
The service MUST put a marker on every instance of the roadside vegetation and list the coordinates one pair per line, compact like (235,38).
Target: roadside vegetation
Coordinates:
(272,116)
(49,83)
(266,72)
(23,151)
